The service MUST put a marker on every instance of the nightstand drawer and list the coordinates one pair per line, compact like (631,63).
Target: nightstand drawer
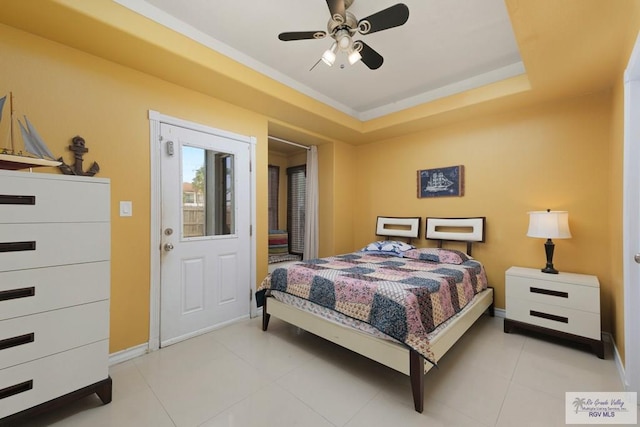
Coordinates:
(577,322)
(27,338)
(567,295)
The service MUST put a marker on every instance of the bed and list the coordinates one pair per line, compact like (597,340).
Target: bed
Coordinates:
(394,303)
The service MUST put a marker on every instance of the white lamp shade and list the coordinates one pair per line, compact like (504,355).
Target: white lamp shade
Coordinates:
(549,224)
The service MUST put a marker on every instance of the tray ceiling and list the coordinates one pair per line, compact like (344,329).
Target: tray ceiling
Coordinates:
(446,47)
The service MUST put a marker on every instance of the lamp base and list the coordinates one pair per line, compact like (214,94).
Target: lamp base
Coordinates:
(548,249)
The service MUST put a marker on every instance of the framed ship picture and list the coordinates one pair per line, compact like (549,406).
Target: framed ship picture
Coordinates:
(441,182)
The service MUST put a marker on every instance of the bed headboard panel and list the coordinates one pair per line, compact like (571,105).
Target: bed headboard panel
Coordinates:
(467,230)
(389,226)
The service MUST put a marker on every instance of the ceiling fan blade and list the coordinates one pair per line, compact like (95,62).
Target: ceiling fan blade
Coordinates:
(301,35)
(390,17)
(370,57)
(337,9)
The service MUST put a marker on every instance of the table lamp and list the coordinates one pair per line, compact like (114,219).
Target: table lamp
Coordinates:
(549,225)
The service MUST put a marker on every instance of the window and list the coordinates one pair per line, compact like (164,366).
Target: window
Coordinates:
(189,198)
(208,201)
(274,188)
(296,195)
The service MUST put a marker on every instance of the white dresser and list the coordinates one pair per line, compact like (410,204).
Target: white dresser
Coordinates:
(54,291)
(566,305)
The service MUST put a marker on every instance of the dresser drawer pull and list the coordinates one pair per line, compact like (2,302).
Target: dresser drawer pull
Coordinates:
(10,199)
(549,316)
(549,292)
(17,246)
(17,293)
(16,341)
(16,389)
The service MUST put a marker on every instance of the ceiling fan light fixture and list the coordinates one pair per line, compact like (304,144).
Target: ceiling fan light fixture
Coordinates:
(354,56)
(344,41)
(343,26)
(329,55)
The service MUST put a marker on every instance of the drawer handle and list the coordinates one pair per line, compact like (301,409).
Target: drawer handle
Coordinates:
(17,293)
(549,292)
(16,341)
(549,316)
(16,389)
(17,246)
(10,199)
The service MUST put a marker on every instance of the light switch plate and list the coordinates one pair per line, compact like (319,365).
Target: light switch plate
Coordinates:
(126,208)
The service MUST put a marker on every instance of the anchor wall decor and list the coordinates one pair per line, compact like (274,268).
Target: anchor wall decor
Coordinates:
(78,148)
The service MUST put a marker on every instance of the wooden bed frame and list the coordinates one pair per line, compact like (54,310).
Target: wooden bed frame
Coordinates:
(388,353)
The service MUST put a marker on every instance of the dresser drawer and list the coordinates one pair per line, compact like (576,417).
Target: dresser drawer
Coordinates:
(23,339)
(43,245)
(25,292)
(577,322)
(52,198)
(568,295)
(44,379)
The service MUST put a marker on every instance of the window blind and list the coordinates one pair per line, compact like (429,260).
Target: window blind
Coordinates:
(296,195)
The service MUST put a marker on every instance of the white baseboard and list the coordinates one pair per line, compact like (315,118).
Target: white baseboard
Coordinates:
(128,354)
(608,338)
(499,312)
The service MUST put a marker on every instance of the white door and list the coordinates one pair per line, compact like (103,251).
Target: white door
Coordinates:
(205,222)
(631,220)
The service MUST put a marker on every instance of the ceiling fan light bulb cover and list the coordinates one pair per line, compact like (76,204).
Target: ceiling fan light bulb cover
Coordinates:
(354,57)
(344,42)
(329,57)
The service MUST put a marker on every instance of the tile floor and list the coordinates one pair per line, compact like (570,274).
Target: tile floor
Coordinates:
(241,376)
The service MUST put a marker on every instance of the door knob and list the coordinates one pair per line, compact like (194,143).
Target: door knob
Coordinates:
(168,247)
(636,258)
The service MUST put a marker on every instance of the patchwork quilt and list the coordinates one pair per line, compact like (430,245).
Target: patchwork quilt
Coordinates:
(404,298)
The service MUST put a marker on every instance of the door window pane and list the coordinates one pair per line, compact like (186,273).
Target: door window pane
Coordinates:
(208,202)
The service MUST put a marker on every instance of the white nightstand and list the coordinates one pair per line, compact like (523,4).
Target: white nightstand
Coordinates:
(564,305)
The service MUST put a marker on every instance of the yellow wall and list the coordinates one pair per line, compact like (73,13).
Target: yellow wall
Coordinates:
(66,93)
(344,196)
(554,155)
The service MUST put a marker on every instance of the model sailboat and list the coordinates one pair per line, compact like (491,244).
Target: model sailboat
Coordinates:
(36,153)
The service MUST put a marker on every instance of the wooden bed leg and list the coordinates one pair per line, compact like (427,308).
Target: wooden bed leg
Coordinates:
(416,370)
(265,316)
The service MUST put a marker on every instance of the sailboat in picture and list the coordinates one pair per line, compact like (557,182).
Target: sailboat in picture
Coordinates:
(35,154)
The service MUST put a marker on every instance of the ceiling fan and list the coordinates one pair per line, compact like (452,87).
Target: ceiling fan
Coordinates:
(343,26)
